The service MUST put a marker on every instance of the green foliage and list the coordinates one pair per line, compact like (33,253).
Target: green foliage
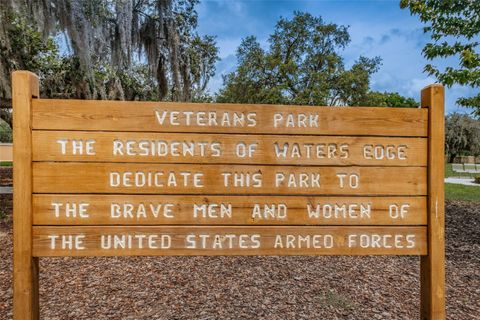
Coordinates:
(455,28)
(5,132)
(333,299)
(24,46)
(21,47)
(387,99)
(203,54)
(64,79)
(147,50)
(462,135)
(302,66)
(251,82)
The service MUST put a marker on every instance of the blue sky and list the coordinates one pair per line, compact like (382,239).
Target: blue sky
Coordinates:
(377,28)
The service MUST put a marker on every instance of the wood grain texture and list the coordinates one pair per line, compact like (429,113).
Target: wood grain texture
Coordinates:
(197,181)
(109,178)
(433,265)
(25,267)
(140,116)
(226,210)
(227,240)
(223,148)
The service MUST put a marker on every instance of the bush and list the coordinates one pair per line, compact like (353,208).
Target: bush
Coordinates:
(462,136)
(5,132)
(477,180)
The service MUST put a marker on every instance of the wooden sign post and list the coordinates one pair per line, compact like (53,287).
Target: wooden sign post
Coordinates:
(432,266)
(112,178)
(25,87)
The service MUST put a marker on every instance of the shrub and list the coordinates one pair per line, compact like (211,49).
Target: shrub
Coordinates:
(5,132)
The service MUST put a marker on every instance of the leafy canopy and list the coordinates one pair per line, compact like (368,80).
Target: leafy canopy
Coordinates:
(387,99)
(302,65)
(25,48)
(118,45)
(454,26)
(462,135)
(126,50)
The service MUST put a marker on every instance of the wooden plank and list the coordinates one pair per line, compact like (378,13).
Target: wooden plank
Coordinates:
(87,115)
(225,179)
(25,267)
(226,210)
(223,148)
(433,265)
(227,240)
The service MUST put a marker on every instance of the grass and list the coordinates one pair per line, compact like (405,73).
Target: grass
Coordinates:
(461,192)
(5,164)
(458,191)
(333,299)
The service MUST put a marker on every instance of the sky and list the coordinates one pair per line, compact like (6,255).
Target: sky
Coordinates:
(377,28)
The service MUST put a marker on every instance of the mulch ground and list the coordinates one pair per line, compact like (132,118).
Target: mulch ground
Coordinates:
(250,287)
(6,178)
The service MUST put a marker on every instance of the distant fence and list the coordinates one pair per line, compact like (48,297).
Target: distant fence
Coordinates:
(466,159)
(6,151)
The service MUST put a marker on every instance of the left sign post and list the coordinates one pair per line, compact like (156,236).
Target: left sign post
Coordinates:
(25,87)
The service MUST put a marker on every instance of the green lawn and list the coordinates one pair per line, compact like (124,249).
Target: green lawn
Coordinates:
(461,192)
(458,191)
(6,164)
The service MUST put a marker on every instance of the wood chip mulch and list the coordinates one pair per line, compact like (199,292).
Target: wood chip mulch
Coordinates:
(6,176)
(252,287)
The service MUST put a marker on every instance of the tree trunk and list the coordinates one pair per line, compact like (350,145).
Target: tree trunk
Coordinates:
(177,92)
(162,79)
(452,156)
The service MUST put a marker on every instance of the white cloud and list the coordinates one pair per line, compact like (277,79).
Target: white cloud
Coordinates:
(237,7)
(413,87)
(377,28)
(228,46)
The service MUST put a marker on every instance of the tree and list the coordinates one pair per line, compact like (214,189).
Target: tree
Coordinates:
(454,26)
(252,82)
(117,38)
(386,99)
(22,47)
(5,132)
(301,66)
(462,135)
(120,49)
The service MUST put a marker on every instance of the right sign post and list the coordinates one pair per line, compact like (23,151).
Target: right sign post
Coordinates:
(432,269)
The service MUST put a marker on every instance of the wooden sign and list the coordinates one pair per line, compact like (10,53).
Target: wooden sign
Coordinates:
(78,209)
(111,178)
(97,146)
(221,240)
